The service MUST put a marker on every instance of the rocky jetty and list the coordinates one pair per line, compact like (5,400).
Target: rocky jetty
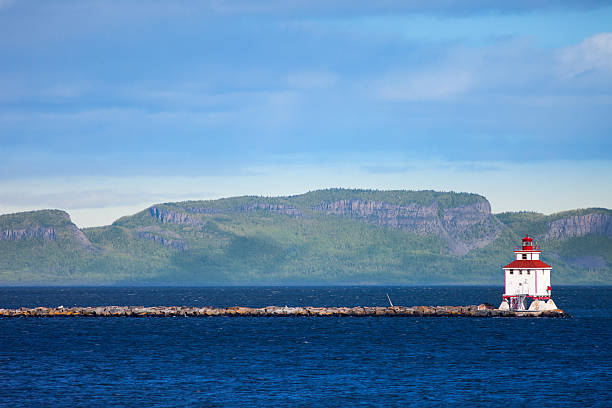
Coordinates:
(483,310)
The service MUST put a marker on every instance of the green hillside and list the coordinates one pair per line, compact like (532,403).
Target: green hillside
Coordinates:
(49,247)
(323,237)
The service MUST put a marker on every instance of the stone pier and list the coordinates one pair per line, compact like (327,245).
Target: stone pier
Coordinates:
(483,310)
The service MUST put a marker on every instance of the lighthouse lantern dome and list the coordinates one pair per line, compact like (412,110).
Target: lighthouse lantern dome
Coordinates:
(527,243)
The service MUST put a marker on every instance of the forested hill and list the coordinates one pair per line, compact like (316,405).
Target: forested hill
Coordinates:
(334,236)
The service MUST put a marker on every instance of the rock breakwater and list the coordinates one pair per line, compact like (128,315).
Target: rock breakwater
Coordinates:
(275,311)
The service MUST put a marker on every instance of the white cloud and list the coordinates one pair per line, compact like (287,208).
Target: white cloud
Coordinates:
(6,3)
(513,70)
(309,80)
(594,53)
(16,89)
(80,199)
(424,86)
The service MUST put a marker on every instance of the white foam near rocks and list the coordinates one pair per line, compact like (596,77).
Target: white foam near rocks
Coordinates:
(541,305)
(504,305)
(550,305)
(536,305)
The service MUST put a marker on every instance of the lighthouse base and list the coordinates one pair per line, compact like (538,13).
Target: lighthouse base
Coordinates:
(517,303)
(538,305)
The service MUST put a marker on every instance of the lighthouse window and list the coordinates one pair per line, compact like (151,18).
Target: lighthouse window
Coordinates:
(528,272)
(524,256)
(511,272)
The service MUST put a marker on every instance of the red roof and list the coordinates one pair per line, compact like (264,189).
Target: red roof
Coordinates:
(526,264)
(527,238)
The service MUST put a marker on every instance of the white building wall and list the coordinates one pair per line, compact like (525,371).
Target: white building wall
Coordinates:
(518,282)
(526,282)
(543,282)
(523,281)
(528,279)
(530,256)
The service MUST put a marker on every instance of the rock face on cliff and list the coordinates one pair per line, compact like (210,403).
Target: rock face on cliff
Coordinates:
(185,215)
(580,225)
(162,237)
(247,208)
(17,234)
(81,239)
(166,216)
(411,217)
(464,228)
(45,225)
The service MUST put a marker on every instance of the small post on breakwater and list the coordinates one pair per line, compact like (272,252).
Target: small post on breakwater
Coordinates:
(390,303)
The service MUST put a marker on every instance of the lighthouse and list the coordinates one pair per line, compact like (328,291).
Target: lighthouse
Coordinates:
(527,277)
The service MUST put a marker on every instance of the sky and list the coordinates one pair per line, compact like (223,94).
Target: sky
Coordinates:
(107,107)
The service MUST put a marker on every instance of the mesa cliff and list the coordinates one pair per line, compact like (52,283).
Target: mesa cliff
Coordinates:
(579,226)
(326,236)
(42,226)
(456,225)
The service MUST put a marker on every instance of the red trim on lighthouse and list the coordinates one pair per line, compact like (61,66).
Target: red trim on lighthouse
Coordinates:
(527,264)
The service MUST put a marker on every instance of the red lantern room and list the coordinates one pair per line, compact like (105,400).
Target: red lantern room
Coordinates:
(527,243)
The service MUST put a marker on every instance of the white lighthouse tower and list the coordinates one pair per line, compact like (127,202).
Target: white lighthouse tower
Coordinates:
(527,277)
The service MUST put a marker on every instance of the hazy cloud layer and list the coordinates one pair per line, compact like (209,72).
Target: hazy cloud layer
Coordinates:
(321,7)
(220,88)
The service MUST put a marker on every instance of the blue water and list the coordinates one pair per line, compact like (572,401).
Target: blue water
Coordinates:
(298,361)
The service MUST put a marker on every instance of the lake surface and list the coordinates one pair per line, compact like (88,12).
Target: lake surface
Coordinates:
(301,361)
